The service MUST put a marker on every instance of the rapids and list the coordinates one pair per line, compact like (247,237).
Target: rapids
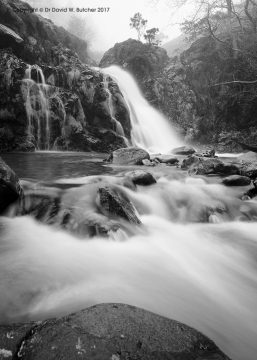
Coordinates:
(177,264)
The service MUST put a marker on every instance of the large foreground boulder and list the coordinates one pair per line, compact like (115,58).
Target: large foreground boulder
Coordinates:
(10,188)
(107,332)
(129,156)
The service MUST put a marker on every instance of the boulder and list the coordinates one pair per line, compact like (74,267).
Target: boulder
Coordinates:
(183,150)
(249,169)
(129,156)
(250,156)
(166,159)
(147,162)
(236,180)
(188,162)
(10,188)
(207,153)
(206,166)
(108,332)
(141,177)
(113,203)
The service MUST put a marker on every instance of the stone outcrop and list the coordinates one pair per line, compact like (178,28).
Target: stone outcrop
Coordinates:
(10,187)
(142,60)
(107,331)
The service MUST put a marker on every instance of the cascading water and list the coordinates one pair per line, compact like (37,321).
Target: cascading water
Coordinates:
(150,129)
(35,95)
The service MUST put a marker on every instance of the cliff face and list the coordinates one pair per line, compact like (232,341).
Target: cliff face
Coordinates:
(189,89)
(49,98)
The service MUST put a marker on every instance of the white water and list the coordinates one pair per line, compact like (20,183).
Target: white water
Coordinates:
(150,129)
(202,274)
(37,107)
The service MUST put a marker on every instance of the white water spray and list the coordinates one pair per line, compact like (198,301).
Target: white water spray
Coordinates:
(35,95)
(150,129)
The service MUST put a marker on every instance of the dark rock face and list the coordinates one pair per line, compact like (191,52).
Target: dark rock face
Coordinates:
(10,188)
(108,332)
(141,177)
(142,60)
(114,203)
(236,180)
(39,34)
(129,156)
(75,99)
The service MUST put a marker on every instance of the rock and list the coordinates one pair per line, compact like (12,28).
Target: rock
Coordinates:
(141,177)
(129,156)
(9,33)
(147,162)
(140,59)
(207,153)
(206,166)
(183,150)
(114,203)
(109,331)
(249,169)
(167,159)
(188,162)
(250,156)
(10,188)
(236,180)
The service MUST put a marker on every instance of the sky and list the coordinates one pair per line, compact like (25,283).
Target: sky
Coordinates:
(107,28)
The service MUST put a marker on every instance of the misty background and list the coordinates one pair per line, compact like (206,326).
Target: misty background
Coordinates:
(103,30)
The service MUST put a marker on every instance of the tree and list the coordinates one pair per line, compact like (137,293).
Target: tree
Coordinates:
(138,23)
(150,36)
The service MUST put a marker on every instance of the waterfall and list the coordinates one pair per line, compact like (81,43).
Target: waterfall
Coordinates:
(36,102)
(150,129)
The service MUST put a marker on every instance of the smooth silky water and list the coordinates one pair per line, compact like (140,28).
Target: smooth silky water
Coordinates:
(176,264)
(202,274)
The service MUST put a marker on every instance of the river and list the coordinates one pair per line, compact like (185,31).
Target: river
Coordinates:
(176,264)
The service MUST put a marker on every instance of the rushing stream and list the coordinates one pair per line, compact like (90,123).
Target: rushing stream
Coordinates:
(176,264)
(193,258)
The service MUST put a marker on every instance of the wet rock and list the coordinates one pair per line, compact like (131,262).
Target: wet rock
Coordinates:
(249,169)
(6,31)
(207,153)
(166,159)
(141,177)
(114,203)
(207,166)
(250,156)
(183,150)
(188,162)
(147,162)
(111,331)
(129,156)
(10,188)
(236,180)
